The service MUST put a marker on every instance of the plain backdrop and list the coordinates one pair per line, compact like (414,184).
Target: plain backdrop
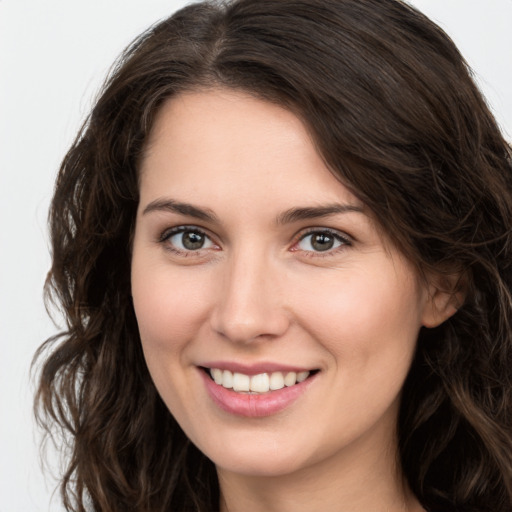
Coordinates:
(54,55)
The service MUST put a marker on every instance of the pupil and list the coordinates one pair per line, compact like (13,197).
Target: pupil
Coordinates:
(322,242)
(192,241)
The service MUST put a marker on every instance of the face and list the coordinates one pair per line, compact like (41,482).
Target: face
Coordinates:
(255,269)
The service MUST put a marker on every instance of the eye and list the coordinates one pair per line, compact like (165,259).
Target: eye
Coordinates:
(187,239)
(323,240)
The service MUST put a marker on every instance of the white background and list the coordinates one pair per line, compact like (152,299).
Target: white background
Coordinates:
(53,57)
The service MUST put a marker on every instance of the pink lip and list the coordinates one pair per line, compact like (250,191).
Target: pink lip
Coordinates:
(255,368)
(254,406)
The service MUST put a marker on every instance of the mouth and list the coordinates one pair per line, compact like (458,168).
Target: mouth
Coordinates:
(261,383)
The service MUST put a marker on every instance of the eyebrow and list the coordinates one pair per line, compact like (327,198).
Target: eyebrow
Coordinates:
(315,212)
(169,205)
(287,217)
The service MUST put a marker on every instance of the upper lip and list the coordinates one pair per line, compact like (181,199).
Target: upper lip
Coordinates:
(254,368)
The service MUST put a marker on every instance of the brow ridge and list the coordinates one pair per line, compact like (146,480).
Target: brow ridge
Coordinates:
(314,212)
(287,217)
(170,205)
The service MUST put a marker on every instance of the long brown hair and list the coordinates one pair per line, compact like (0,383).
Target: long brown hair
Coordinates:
(392,108)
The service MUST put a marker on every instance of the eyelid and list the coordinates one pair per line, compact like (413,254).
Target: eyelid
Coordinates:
(168,233)
(347,240)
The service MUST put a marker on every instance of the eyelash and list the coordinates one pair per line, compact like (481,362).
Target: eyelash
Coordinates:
(169,233)
(343,239)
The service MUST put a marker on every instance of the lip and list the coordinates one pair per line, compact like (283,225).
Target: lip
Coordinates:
(255,368)
(257,405)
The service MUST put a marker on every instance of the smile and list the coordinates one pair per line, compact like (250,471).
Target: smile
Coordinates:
(260,383)
(256,394)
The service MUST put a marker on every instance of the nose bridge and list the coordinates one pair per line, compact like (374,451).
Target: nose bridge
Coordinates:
(249,304)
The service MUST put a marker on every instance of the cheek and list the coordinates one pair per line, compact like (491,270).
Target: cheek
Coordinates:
(369,326)
(169,308)
(362,316)
(169,305)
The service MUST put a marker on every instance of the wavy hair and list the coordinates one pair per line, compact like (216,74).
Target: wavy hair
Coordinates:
(393,110)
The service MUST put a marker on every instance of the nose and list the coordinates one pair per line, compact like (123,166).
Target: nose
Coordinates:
(250,305)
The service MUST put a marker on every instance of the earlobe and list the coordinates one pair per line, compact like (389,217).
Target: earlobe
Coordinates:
(445,297)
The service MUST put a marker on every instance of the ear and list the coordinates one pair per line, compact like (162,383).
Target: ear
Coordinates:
(445,296)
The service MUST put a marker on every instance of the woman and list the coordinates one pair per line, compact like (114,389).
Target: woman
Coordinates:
(282,243)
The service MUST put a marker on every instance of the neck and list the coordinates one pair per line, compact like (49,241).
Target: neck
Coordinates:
(346,482)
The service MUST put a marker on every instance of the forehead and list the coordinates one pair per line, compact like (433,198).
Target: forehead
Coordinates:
(230,144)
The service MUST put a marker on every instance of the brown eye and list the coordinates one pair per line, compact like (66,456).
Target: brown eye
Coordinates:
(322,241)
(192,241)
(187,239)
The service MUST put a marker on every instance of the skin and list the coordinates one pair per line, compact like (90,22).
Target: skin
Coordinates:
(259,291)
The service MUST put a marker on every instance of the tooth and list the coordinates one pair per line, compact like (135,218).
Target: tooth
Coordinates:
(260,383)
(277,381)
(241,382)
(302,376)
(217,375)
(227,379)
(290,379)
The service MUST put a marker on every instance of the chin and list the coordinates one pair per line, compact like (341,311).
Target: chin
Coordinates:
(264,467)
(271,456)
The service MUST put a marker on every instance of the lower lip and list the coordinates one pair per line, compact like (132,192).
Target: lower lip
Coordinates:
(255,405)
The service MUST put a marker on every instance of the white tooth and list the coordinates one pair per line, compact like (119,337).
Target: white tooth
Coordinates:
(277,381)
(217,375)
(302,376)
(290,379)
(260,383)
(227,379)
(241,382)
